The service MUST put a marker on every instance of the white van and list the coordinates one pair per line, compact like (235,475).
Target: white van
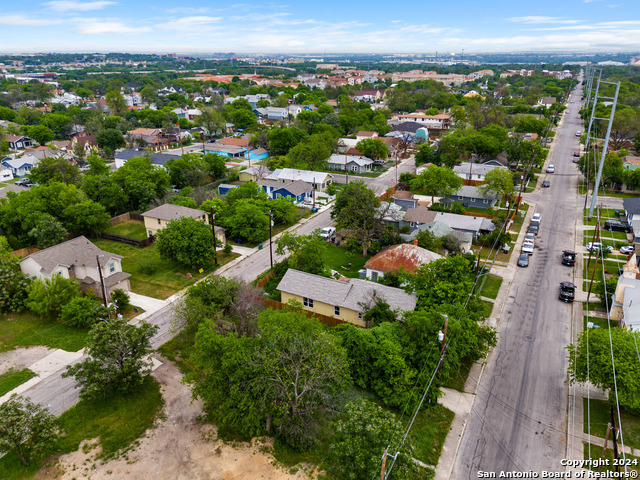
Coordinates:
(578,133)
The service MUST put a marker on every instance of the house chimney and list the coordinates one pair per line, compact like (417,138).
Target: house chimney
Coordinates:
(415,242)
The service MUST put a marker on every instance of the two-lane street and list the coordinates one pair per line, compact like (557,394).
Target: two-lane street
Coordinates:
(519,419)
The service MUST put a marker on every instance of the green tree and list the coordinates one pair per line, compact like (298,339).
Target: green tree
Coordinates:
(48,296)
(530,124)
(437,181)
(280,140)
(40,134)
(212,120)
(427,239)
(26,428)
(307,253)
(48,232)
(356,209)
(109,140)
(283,210)
(360,440)
(86,218)
(120,299)
(373,148)
(498,181)
(13,283)
(248,221)
(83,312)
(141,182)
(312,153)
(187,241)
(116,103)
(117,358)
(54,169)
(426,154)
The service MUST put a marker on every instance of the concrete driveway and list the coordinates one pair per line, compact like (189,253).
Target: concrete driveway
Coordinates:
(149,304)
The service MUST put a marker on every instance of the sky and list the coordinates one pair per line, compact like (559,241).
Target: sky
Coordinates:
(320,27)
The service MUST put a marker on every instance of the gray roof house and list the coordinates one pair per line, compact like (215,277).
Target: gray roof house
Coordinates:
(470,196)
(473,171)
(414,217)
(440,229)
(319,180)
(20,166)
(466,223)
(632,211)
(349,162)
(157,159)
(344,300)
(78,258)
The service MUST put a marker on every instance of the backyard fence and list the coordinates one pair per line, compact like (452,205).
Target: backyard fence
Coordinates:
(23,252)
(129,241)
(124,217)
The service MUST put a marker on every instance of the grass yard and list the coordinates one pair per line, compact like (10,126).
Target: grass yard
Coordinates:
(488,307)
(130,228)
(600,417)
(601,322)
(339,258)
(430,431)
(26,330)
(178,350)
(12,378)
(154,276)
(459,378)
(118,421)
(596,453)
(491,286)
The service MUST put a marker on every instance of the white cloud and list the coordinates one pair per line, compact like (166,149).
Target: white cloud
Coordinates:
(188,10)
(20,20)
(533,19)
(75,6)
(100,27)
(190,23)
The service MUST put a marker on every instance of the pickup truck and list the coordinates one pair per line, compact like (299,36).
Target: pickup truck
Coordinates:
(567,292)
(327,232)
(569,258)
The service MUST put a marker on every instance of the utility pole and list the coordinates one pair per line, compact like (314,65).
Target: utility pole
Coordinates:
(213,230)
(443,338)
(104,291)
(604,449)
(615,441)
(587,140)
(270,243)
(384,463)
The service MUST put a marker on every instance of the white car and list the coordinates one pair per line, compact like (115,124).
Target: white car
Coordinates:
(536,217)
(578,133)
(627,249)
(551,168)
(327,232)
(595,246)
(527,247)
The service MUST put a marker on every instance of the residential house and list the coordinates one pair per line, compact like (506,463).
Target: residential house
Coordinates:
(349,163)
(437,123)
(188,113)
(440,230)
(18,142)
(414,217)
(470,196)
(159,217)
(473,172)
(405,256)
(232,151)
(257,154)
(276,114)
(476,226)
(63,145)
(157,159)
(224,188)
(254,173)
(632,212)
(405,199)
(626,299)
(235,141)
(5,173)
(88,142)
(546,102)
(78,258)
(297,191)
(319,180)
(630,162)
(20,166)
(345,300)
(149,137)
(369,95)
(364,135)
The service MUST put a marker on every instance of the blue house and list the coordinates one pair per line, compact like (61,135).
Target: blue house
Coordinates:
(232,151)
(297,191)
(224,188)
(257,154)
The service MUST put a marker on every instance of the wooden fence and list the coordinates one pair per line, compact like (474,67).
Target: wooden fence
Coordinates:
(327,320)
(129,241)
(23,252)
(124,217)
(264,280)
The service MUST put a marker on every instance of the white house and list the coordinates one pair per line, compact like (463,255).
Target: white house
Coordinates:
(20,167)
(319,180)
(473,171)
(349,163)
(79,259)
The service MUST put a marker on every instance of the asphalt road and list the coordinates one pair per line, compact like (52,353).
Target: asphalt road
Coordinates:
(519,418)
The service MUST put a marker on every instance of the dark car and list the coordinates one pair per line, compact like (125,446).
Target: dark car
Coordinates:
(523,260)
(546,184)
(576,154)
(615,225)
(567,292)
(569,258)
(533,229)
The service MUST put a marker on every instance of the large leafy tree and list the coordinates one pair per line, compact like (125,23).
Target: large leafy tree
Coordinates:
(307,253)
(437,181)
(373,148)
(26,428)
(360,439)
(109,140)
(498,181)
(48,296)
(590,360)
(116,102)
(55,169)
(41,134)
(212,120)
(141,182)
(187,241)
(117,358)
(248,221)
(284,380)
(356,209)
(48,232)
(13,283)
(281,140)
(312,153)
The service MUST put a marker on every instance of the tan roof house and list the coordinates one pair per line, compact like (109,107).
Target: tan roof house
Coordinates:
(159,217)
(344,300)
(405,256)
(78,258)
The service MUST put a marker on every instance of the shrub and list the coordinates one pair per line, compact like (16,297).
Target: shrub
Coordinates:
(47,297)
(121,299)
(228,248)
(83,312)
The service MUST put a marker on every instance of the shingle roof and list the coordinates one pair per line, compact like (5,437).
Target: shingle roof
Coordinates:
(472,192)
(156,158)
(420,214)
(336,159)
(403,256)
(239,142)
(169,212)
(349,294)
(78,251)
(476,168)
(297,188)
(632,205)
(294,174)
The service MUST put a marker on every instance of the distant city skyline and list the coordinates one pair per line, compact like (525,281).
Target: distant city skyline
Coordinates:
(329,27)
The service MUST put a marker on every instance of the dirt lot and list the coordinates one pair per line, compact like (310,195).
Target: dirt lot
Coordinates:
(179,448)
(20,358)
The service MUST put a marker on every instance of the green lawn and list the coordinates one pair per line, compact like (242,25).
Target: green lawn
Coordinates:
(154,276)
(596,453)
(26,330)
(600,417)
(118,421)
(339,258)
(130,228)
(491,286)
(601,322)
(430,431)
(178,350)
(12,378)
(459,378)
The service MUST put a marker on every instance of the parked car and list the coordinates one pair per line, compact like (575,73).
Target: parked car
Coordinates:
(529,237)
(327,232)
(527,247)
(22,182)
(576,154)
(578,133)
(551,168)
(567,291)
(597,246)
(627,249)
(533,229)
(523,260)
(569,258)
(546,184)
(536,217)
(615,225)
